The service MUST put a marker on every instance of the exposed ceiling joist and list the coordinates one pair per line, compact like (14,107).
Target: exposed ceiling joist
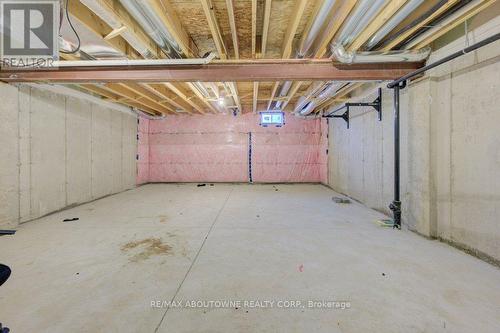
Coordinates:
(265,27)
(136,92)
(209,10)
(232,25)
(291,30)
(183,96)
(474,9)
(254,27)
(255,96)
(166,96)
(201,98)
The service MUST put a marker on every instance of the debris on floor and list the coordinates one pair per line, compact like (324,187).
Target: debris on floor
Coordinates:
(385,223)
(340,200)
(200,185)
(301,268)
(147,247)
(71,219)
(7,232)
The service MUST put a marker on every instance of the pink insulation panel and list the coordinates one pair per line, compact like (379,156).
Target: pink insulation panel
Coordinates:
(216,148)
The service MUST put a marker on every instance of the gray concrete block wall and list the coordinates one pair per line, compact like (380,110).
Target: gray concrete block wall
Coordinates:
(60,150)
(450,150)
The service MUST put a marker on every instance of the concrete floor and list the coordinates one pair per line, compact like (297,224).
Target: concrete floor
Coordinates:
(237,242)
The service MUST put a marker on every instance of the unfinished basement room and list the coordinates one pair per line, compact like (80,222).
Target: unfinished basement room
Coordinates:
(287,166)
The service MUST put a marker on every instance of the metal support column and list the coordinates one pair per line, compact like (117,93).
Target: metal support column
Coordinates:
(395,206)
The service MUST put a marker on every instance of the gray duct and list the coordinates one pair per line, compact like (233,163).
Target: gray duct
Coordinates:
(362,16)
(407,9)
(307,41)
(153,26)
(319,20)
(351,57)
(329,90)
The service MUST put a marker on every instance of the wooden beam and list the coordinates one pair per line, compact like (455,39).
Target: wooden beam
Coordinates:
(387,12)
(255,96)
(201,98)
(273,93)
(115,33)
(183,96)
(100,28)
(474,9)
(129,94)
(298,10)
(209,10)
(254,27)
(293,90)
(265,28)
(116,98)
(166,13)
(232,25)
(115,8)
(418,26)
(252,70)
(167,96)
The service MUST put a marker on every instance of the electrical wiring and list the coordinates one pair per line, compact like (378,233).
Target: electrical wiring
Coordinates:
(72,28)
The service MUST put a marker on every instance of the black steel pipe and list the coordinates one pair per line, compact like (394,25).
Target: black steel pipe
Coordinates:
(400,84)
(457,54)
(395,206)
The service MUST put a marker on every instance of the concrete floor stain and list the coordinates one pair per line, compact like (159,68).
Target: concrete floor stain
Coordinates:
(147,247)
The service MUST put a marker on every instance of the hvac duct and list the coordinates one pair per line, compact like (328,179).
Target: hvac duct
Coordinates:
(153,26)
(350,57)
(307,41)
(319,20)
(393,22)
(114,23)
(363,14)
(329,90)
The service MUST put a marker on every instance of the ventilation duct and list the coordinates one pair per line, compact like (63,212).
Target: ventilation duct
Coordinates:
(307,41)
(153,26)
(363,14)
(114,23)
(393,22)
(328,90)
(351,57)
(319,20)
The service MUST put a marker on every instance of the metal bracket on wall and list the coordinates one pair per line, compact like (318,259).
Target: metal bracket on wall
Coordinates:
(376,104)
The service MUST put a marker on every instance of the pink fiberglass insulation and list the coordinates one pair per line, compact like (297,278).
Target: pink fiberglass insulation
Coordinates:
(215,148)
(143,151)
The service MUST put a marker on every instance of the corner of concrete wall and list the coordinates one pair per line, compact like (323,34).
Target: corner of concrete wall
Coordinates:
(450,149)
(60,150)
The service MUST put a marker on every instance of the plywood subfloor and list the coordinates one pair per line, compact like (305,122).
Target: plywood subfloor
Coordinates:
(237,242)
